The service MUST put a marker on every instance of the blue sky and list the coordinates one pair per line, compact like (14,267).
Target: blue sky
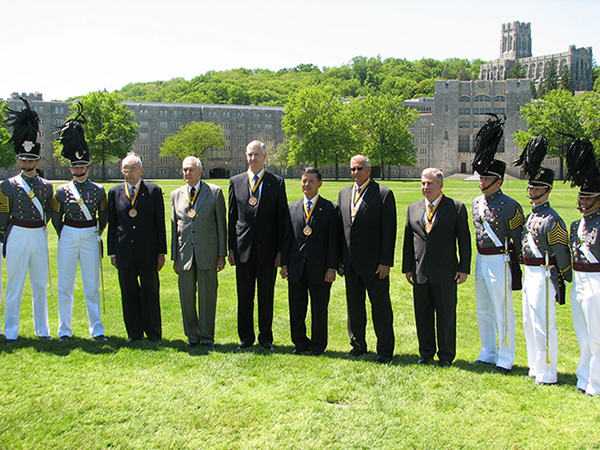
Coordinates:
(64,48)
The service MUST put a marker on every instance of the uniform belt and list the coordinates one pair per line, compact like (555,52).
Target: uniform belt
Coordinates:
(27,223)
(538,261)
(492,250)
(80,223)
(586,267)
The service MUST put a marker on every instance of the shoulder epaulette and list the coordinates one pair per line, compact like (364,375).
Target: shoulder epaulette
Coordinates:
(517,221)
(558,236)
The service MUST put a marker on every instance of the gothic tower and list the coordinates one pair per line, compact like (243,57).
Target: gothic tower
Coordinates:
(515,41)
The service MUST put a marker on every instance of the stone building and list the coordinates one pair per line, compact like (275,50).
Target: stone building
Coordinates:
(461,109)
(516,45)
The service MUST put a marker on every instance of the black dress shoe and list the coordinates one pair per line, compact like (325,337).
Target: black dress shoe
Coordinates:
(10,341)
(502,370)
(267,345)
(316,353)
(383,359)
(356,352)
(209,346)
(191,344)
(100,338)
(477,362)
(298,351)
(424,360)
(130,340)
(443,363)
(64,338)
(244,345)
(47,338)
(546,383)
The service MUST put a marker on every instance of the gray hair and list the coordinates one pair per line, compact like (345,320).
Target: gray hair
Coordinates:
(132,158)
(367,162)
(257,143)
(193,159)
(437,173)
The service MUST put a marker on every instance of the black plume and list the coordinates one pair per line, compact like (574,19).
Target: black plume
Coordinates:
(486,143)
(72,138)
(532,156)
(25,124)
(581,163)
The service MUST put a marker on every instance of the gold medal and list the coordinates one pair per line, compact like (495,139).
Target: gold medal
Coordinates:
(307,230)
(353,212)
(253,201)
(132,212)
(191,213)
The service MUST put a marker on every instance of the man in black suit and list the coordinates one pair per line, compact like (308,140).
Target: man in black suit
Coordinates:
(258,211)
(137,245)
(433,228)
(368,212)
(309,259)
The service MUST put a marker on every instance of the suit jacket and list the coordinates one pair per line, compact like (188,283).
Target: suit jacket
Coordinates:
(204,237)
(369,240)
(262,229)
(143,236)
(316,253)
(433,256)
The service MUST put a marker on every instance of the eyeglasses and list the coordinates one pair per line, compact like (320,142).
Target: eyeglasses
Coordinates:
(354,169)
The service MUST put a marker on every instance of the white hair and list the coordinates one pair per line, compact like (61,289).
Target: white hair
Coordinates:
(257,143)
(193,159)
(367,162)
(132,158)
(437,173)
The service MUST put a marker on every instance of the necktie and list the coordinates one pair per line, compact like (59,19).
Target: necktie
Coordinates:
(308,205)
(254,180)
(429,218)
(132,191)
(192,193)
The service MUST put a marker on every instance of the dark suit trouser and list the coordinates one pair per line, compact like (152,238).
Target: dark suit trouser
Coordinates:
(248,275)
(437,300)
(141,301)
(381,309)
(198,324)
(319,302)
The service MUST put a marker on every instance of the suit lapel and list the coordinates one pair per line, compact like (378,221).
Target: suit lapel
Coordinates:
(202,196)
(441,211)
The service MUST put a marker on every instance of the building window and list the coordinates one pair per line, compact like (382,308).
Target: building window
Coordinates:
(143,135)
(143,124)
(482,98)
(163,125)
(227,126)
(464,98)
(499,98)
(464,144)
(501,147)
(241,126)
(177,125)
(144,148)
(445,135)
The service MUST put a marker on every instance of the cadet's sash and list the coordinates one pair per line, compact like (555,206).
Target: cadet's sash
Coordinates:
(79,200)
(486,226)
(31,194)
(584,246)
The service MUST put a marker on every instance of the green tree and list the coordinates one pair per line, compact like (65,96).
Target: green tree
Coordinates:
(551,81)
(110,130)
(382,124)
(559,115)
(318,129)
(515,71)
(7,154)
(193,139)
(566,80)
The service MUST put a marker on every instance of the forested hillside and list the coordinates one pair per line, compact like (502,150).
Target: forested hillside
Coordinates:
(361,76)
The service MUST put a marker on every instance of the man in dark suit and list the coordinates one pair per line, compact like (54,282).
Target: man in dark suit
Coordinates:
(309,259)
(198,250)
(433,228)
(137,245)
(258,211)
(368,212)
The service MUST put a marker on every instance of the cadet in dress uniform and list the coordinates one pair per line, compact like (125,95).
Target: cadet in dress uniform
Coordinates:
(585,246)
(24,203)
(79,215)
(498,223)
(547,264)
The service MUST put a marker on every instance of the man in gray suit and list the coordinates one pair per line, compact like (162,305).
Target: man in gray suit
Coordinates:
(198,250)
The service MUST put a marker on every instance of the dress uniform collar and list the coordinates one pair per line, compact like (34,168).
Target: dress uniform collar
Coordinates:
(593,215)
(494,195)
(541,206)
(28,178)
(81,183)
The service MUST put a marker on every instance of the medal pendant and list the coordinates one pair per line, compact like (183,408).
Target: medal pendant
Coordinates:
(133,212)
(353,212)
(191,213)
(80,201)
(307,230)
(253,201)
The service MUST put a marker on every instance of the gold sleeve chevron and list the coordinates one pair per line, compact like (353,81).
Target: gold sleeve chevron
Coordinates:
(54,204)
(103,204)
(517,221)
(558,236)
(4,204)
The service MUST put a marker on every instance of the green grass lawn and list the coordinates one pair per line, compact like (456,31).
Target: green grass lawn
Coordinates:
(86,394)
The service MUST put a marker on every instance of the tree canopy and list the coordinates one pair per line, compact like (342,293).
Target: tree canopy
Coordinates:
(193,139)
(359,77)
(110,130)
(7,155)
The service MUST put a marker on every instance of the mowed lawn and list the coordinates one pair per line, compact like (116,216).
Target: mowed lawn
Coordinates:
(84,394)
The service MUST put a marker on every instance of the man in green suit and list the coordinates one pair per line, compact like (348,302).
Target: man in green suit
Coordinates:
(198,250)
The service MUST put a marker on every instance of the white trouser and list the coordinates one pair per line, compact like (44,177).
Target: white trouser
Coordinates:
(540,329)
(493,310)
(585,305)
(26,248)
(79,245)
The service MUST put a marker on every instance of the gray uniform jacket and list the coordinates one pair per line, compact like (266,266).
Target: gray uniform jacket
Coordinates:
(64,205)
(589,238)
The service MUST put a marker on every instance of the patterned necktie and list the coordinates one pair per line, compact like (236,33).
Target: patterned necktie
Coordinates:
(192,192)
(429,218)
(132,192)
(254,180)
(308,205)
